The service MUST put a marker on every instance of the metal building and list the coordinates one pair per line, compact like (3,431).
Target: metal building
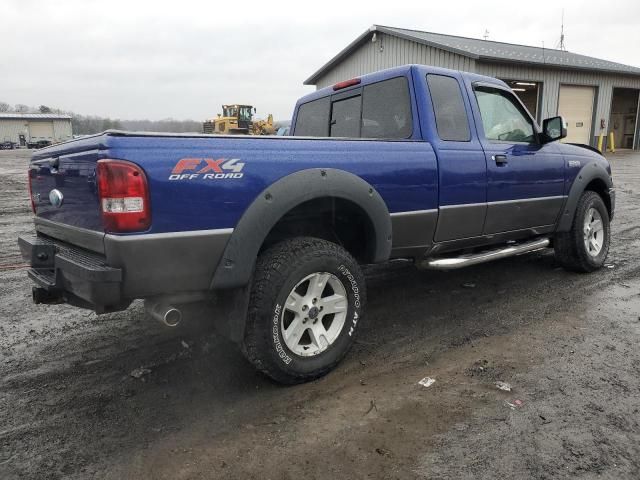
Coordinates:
(596,97)
(29,128)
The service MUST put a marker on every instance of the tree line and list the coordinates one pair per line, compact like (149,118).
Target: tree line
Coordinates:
(90,124)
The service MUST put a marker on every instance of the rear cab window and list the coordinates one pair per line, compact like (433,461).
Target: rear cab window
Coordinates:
(377,110)
(345,117)
(313,118)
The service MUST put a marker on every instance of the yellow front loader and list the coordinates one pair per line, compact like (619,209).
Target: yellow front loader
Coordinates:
(238,120)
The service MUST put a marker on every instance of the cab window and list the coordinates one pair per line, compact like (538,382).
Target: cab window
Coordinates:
(345,118)
(386,109)
(313,118)
(377,110)
(452,123)
(503,118)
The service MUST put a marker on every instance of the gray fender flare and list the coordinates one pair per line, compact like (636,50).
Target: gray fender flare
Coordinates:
(237,263)
(589,172)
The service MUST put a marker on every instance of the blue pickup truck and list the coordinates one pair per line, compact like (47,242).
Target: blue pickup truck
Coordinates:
(442,167)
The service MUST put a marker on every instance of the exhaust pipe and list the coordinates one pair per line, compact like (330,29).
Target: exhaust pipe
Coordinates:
(165,314)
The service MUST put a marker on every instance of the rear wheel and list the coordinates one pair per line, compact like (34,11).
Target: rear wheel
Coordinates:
(585,247)
(306,302)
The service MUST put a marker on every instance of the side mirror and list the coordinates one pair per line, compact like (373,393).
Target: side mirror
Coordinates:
(554,128)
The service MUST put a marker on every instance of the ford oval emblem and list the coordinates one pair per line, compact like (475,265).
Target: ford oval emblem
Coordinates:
(56,198)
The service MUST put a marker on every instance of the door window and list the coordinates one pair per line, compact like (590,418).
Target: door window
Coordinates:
(503,118)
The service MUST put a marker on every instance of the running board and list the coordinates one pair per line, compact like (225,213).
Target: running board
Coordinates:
(452,263)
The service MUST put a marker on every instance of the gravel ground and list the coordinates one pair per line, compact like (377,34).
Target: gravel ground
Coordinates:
(567,344)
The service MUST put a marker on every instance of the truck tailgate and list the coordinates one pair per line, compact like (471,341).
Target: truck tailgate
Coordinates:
(64,190)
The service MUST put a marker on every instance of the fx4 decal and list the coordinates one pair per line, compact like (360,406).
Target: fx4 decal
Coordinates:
(207,169)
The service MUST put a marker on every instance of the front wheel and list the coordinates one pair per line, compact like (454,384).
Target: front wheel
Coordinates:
(585,247)
(306,303)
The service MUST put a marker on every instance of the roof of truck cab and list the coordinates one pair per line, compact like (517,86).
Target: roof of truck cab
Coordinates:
(396,72)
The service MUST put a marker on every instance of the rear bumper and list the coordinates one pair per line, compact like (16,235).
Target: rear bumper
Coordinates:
(106,272)
(64,273)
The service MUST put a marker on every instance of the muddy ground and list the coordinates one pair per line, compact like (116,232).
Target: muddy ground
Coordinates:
(567,343)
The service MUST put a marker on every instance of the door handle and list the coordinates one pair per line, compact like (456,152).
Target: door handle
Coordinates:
(500,159)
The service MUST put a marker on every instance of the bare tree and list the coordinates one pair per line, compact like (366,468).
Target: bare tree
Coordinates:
(44,109)
(5,107)
(21,108)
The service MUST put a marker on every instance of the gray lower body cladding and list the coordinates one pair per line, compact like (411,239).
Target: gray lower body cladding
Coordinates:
(166,263)
(413,232)
(132,266)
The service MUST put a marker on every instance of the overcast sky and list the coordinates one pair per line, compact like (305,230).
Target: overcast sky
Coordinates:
(184,58)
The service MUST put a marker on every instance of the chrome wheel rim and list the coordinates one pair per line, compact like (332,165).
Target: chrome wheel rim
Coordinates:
(314,314)
(593,232)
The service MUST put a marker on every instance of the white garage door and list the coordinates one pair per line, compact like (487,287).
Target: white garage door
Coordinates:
(41,130)
(576,107)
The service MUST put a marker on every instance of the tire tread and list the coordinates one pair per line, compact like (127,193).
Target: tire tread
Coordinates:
(271,269)
(567,245)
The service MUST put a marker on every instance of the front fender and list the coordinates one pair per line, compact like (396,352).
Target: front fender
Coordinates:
(592,170)
(237,263)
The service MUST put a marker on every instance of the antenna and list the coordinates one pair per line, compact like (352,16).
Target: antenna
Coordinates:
(561,45)
(486,34)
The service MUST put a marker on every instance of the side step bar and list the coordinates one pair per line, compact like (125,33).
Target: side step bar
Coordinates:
(452,263)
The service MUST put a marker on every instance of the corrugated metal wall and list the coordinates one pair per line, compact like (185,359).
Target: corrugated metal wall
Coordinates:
(395,51)
(10,129)
(62,130)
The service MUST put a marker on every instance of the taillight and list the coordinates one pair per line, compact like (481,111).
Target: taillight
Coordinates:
(29,180)
(124,196)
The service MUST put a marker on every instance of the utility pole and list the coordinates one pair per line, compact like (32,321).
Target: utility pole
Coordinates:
(486,34)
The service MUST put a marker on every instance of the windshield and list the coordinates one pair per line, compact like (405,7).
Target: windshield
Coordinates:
(230,111)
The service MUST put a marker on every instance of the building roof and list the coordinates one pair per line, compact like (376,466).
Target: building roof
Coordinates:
(34,116)
(486,50)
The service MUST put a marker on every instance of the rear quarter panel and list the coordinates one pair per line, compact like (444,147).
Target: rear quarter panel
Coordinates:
(403,172)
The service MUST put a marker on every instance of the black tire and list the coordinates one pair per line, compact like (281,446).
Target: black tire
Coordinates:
(570,249)
(278,270)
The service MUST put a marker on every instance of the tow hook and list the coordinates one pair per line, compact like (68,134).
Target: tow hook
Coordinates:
(47,297)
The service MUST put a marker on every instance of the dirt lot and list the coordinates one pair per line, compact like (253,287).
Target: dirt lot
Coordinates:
(567,343)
